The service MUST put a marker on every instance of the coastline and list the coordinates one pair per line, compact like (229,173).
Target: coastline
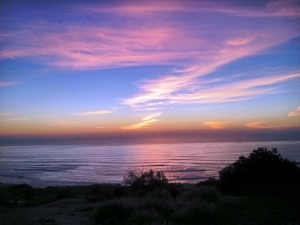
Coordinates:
(178,204)
(87,164)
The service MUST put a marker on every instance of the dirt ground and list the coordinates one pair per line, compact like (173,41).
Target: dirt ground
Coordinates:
(73,211)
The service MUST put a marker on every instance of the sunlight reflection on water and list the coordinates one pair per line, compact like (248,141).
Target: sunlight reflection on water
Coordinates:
(43,165)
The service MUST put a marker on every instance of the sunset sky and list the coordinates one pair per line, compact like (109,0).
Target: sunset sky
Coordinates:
(171,65)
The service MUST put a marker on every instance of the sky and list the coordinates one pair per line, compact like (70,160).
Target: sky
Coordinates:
(96,67)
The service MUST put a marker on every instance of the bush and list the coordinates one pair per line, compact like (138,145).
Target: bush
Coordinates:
(261,166)
(64,192)
(22,189)
(211,181)
(113,213)
(145,180)
(208,194)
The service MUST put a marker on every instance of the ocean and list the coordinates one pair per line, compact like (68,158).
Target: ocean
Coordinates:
(42,165)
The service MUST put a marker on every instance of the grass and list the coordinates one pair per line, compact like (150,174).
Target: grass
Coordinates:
(177,204)
(194,205)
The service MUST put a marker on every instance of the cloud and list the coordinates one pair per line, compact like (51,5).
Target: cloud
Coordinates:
(71,45)
(295,112)
(257,125)
(275,124)
(196,49)
(239,41)
(7,83)
(217,124)
(146,122)
(5,114)
(187,90)
(81,47)
(16,119)
(138,8)
(284,7)
(280,8)
(100,112)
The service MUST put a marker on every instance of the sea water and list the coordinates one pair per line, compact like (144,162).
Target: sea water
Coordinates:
(77,164)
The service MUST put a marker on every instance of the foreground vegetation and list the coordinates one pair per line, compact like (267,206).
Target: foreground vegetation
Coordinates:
(147,198)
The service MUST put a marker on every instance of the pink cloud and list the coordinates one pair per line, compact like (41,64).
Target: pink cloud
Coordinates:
(92,47)
(195,49)
(17,119)
(217,124)
(268,125)
(159,94)
(295,112)
(239,41)
(284,8)
(100,112)
(279,8)
(137,7)
(186,85)
(146,122)
(7,83)
(154,42)
(5,114)
(257,124)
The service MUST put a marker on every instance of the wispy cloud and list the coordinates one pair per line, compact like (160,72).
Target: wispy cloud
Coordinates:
(269,125)
(277,8)
(239,41)
(64,122)
(5,114)
(100,112)
(257,125)
(16,119)
(185,90)
(7,83)
(92,46)
(146,122)
(196,49)
(217,124)
(295,112)
(75,48)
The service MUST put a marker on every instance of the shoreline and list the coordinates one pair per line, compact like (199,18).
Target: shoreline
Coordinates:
(98,204)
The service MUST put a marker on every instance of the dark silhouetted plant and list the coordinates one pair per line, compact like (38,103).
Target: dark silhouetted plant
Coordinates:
(113,213)
(262,165)
(145,180)
(212,181)
(24,191)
